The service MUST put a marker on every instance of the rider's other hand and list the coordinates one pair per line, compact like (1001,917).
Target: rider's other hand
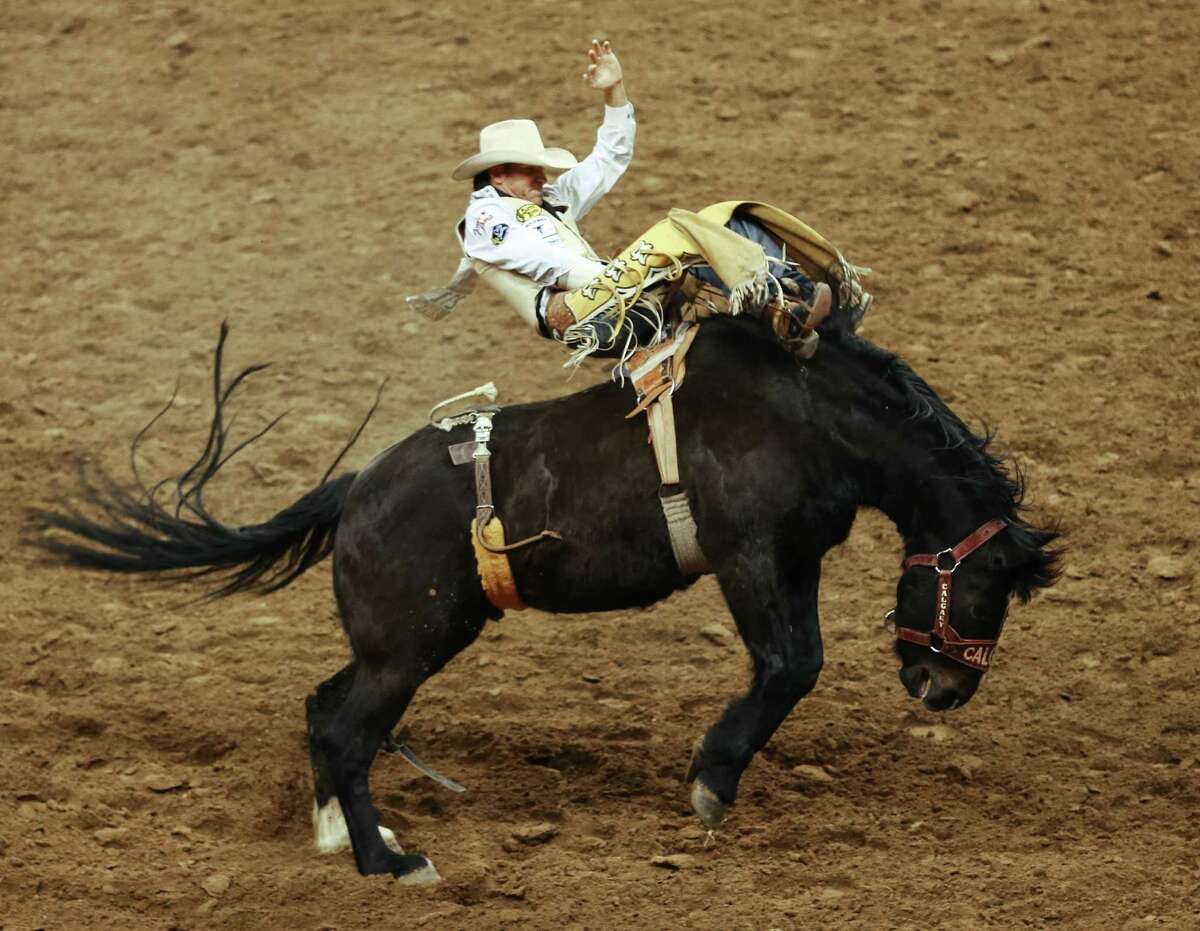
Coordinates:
(435,304)
(604,71)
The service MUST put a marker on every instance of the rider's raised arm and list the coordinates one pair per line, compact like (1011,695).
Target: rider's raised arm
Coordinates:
(584,185)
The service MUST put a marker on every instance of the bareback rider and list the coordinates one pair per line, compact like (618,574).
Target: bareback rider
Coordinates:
(520,232)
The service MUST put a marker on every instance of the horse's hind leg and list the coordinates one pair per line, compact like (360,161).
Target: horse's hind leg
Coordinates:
(352,714)
(330,834)
(776,615)
(408,590)
(343,748)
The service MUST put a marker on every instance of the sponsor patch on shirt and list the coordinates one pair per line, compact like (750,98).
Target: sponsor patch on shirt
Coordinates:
(481,222)
(544,227)
(527,212)
(499,231)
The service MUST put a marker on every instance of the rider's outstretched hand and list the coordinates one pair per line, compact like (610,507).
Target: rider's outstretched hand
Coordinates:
(604,73)
(604,70)
(436,304)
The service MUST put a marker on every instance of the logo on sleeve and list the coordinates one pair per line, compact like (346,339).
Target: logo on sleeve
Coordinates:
(527,212)
(481,222)
(499,231)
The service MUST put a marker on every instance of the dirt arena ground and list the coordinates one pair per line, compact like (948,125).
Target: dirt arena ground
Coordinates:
(1022,178)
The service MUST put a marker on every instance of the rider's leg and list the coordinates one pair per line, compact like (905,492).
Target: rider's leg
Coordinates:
(748,228)
(804,303)
(640,328)
(856,303)
(815,297)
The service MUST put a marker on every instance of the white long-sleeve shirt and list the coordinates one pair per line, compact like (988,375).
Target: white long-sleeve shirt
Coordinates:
(530,245)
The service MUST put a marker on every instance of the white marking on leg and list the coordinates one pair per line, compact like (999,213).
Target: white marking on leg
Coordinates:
(389,838)
(329,827)
(331,834)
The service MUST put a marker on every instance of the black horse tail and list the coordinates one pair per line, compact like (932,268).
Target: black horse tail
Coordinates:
(140,535)
(136,532)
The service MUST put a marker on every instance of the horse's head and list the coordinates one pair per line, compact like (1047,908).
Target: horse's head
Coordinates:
(951,605)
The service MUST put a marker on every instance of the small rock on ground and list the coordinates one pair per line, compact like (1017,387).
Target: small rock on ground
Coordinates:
(813,773)
(112,837)
(938,733)
(216,885)
(675,861)
(1164,566)
(535,833)
(716,633)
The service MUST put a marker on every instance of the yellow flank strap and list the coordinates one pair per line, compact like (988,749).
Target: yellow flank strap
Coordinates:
(495,573)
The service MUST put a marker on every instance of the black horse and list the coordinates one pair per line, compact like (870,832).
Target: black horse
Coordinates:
(776,457)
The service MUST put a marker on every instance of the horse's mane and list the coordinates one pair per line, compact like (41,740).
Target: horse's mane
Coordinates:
(995,478)
(998,478)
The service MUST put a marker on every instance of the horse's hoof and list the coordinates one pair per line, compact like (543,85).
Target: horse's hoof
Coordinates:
(416,870)
(710,809)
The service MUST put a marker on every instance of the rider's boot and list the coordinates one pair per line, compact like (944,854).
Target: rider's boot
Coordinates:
(852,302)
(858,301)
(794,321)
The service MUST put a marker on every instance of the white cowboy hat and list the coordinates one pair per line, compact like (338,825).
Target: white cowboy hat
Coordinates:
(515,141)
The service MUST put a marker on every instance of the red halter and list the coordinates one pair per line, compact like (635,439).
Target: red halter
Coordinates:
(943,638)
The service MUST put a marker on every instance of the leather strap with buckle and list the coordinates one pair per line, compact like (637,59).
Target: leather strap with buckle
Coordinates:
(942,638)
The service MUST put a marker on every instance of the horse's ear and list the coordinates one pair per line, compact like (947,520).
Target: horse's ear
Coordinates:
(1041,564)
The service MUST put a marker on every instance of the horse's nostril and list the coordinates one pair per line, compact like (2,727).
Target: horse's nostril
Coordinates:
(926,684)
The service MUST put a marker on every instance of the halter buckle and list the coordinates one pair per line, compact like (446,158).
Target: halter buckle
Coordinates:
(938,560)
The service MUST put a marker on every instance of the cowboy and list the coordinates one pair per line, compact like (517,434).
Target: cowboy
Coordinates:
(520,232)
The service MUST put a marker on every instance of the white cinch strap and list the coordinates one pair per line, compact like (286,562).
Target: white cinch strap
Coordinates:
(682,528)
(680,523)
(662,429)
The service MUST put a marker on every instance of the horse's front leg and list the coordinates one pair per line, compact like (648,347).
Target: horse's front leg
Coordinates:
(776,615)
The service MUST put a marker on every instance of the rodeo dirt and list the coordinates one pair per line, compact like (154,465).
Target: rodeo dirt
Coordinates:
(1021,178)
